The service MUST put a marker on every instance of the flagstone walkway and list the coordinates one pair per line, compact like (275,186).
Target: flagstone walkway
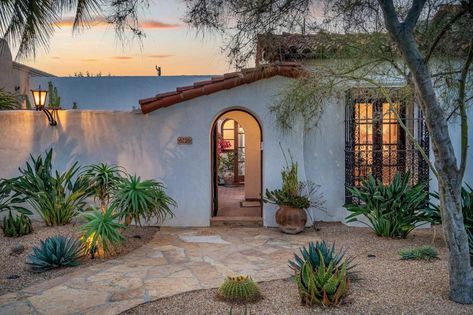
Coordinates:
(175,261)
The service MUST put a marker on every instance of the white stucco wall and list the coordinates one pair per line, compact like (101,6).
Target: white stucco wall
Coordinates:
(111,93)
(146,145)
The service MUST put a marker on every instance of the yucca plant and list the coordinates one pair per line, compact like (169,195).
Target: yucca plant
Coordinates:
(419,253)
(102,180)
(239,289)
(101,233)
(322,285)
(393,210)
(137,199)
(57,197)
(18,225)
(330,255)
(55,252)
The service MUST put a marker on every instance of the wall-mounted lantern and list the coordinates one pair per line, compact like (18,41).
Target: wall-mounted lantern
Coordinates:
(39,98)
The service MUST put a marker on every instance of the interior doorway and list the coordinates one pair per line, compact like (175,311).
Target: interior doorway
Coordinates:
(236,165)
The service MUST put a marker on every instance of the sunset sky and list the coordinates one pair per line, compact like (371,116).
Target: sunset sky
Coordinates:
(169,43)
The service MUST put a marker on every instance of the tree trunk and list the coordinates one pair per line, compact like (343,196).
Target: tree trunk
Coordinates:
(449,177)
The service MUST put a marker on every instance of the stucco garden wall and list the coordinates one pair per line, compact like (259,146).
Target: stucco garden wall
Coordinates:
(146,145)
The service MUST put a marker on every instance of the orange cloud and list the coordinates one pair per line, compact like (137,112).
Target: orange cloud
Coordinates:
(122,57)
(159,56)
(55,57)
(98,21)
(89,60)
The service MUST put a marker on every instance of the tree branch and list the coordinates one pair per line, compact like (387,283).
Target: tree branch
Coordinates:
(390,17)
(442,33)
(413,14)
(463,115)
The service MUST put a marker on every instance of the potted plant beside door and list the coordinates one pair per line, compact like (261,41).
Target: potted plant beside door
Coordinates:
(293,199)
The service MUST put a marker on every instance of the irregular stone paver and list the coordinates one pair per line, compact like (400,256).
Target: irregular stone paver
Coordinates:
(175,261)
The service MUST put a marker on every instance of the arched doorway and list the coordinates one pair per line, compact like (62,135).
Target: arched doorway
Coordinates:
(236,165)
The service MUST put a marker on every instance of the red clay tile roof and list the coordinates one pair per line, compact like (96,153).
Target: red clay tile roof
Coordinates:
(219,83)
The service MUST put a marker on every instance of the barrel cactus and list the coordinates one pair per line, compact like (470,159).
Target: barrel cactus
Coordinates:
(239,289)
(18,225)
(325,286)
(55,252)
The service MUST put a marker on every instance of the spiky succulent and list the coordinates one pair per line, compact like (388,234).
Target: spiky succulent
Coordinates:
(419,253)
(330,255)
(55,252)
(239,288)
(322,285)
(17,225)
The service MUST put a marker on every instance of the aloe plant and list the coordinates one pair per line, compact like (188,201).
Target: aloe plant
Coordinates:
(101,233)
(330,255)
(55,252)
(102,180)
(322,285)
(142,199)
(19,225)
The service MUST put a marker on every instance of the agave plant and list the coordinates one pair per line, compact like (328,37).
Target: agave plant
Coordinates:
(55,252)
(101,234)
(314,251)
(135,199)
(57,197)
(322,285)
(239,288)
(393,210)
(19,225)
(102,179)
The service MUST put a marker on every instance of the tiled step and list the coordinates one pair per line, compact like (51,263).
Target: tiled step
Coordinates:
(237,221)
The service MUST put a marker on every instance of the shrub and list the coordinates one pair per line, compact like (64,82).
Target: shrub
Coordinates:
(419,253)
(322,285)
(11,200)
(55,252)
(101,233)
(57,197)
(102,180)
(18,225)
(135,199)
(314,251)
(239,289)
(393,210)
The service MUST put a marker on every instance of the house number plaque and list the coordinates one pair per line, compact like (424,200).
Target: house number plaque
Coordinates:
(184,140)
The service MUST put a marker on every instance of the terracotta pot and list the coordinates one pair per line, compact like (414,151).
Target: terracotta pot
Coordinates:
(291,220)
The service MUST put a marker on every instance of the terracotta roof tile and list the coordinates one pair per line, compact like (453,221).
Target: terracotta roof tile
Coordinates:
(220,83)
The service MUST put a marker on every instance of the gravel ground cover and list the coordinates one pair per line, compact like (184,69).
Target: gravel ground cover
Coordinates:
(14,273)
(387,285)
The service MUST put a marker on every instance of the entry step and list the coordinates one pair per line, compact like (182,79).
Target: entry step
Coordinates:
(237,221)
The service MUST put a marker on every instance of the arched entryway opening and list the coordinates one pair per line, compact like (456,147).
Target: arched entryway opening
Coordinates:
(236,165)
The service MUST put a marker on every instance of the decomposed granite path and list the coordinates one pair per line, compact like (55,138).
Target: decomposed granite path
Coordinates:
(175,261)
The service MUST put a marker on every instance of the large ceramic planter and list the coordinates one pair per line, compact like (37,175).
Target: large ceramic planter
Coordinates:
(291,220)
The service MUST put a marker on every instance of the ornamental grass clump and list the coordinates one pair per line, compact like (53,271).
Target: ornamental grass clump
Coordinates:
(419,253)
(55,252)
(239,289)
(393,210)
